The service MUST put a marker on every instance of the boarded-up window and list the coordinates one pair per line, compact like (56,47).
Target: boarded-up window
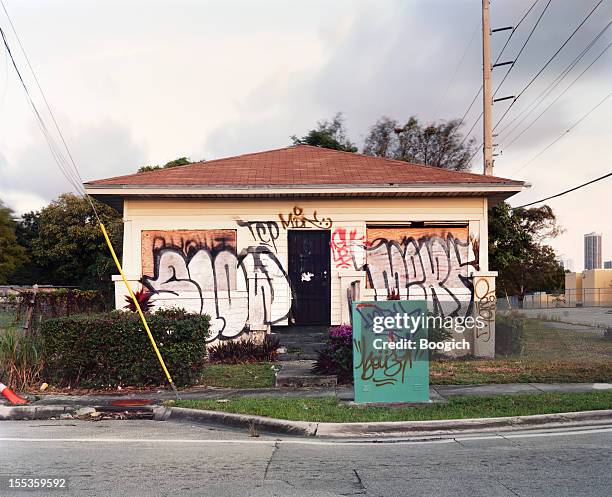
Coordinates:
(398,255)
(403,233)
(188,241)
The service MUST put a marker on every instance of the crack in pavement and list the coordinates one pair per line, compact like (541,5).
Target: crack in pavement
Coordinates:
(274,449)
(359,482)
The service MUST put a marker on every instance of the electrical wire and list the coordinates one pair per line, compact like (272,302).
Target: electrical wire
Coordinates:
(59,131)
(518,56)
(601,102)
(565,192)
(558,97)
(549,89)
(496,61)
(55,152)
(537,75)
(71,172)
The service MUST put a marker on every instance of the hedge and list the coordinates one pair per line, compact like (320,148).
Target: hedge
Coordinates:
(113,349)
(508,335)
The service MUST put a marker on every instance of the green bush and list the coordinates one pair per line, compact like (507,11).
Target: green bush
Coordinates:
(508,335)
(336,356)
(111,349)
(244,351)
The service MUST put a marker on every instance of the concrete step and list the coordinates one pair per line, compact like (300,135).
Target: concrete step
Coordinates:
(297,356)
(298,374)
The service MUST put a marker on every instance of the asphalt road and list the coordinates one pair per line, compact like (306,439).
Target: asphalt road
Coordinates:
(147,458)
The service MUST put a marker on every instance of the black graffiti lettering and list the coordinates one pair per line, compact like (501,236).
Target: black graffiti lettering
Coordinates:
(263,232)
(216,282)
(430,267)
(297,219)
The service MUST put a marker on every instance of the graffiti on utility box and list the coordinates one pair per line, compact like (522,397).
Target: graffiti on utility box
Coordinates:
(390,363)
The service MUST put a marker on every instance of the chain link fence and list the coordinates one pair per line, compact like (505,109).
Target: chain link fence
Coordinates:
(585,297)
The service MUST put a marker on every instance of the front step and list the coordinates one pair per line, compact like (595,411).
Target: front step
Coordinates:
(297,356)
(298,374)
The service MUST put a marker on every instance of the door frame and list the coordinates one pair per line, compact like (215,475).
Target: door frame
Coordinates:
(327,232)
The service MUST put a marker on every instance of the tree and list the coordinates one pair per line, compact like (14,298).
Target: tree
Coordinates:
(517,251)
(66,245)
(181,161)
(441,145)
(328,134)
(12,255)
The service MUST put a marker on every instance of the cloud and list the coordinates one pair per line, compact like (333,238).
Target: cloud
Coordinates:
(216,79)
(101,149)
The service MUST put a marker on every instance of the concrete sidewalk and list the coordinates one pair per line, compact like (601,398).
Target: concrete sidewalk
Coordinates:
(436,392)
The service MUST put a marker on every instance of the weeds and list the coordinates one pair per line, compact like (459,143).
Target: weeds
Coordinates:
(21,361)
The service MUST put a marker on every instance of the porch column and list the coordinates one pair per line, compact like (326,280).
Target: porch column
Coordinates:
(121,291)
(347,277)
(485,304)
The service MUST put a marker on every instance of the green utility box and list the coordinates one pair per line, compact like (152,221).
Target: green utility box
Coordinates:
(390,354)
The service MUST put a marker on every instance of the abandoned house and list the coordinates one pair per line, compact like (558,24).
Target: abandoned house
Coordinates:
(292,236)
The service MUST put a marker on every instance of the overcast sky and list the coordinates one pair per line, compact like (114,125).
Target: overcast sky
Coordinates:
(143,82)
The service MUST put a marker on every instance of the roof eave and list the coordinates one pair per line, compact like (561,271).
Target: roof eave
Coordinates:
(114,195)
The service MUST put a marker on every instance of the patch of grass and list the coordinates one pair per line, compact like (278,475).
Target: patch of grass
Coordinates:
(549,355)
(546,342)
(7,320)
(327,409)
(255,375)
(462,372)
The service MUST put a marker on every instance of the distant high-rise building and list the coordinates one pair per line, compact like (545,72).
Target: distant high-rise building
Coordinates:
(607,264)
(592,251)
(566,262)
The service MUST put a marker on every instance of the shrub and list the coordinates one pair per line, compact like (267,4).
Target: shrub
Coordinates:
(244,351)
(143,297)
(336,357)
(61,302)
(508,335)
(100,350)
(21,360)
(438,334)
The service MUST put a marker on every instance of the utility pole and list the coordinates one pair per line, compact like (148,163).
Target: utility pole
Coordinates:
(487,94)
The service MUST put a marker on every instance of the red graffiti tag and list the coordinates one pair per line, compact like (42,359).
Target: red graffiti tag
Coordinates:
(341,243)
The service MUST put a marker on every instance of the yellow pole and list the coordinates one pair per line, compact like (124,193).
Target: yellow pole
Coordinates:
(142,317)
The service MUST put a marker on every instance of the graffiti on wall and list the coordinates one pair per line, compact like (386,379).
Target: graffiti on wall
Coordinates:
(239,291)
(262,232)
(432,265)
(298,219)
(342,243)
(486,303)
(203,270)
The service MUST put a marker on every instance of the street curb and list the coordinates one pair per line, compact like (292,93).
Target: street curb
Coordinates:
(15,413)
(334,430)
(30,412)
(377,429)
(272,425)
(458,425)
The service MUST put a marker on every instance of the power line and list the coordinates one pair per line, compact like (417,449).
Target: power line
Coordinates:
(566,191)
(75,171)
(496,61)
(546,64)
(558,97)
(564,133)
(55,152)
(550,88)
(518,56)
(70,170)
